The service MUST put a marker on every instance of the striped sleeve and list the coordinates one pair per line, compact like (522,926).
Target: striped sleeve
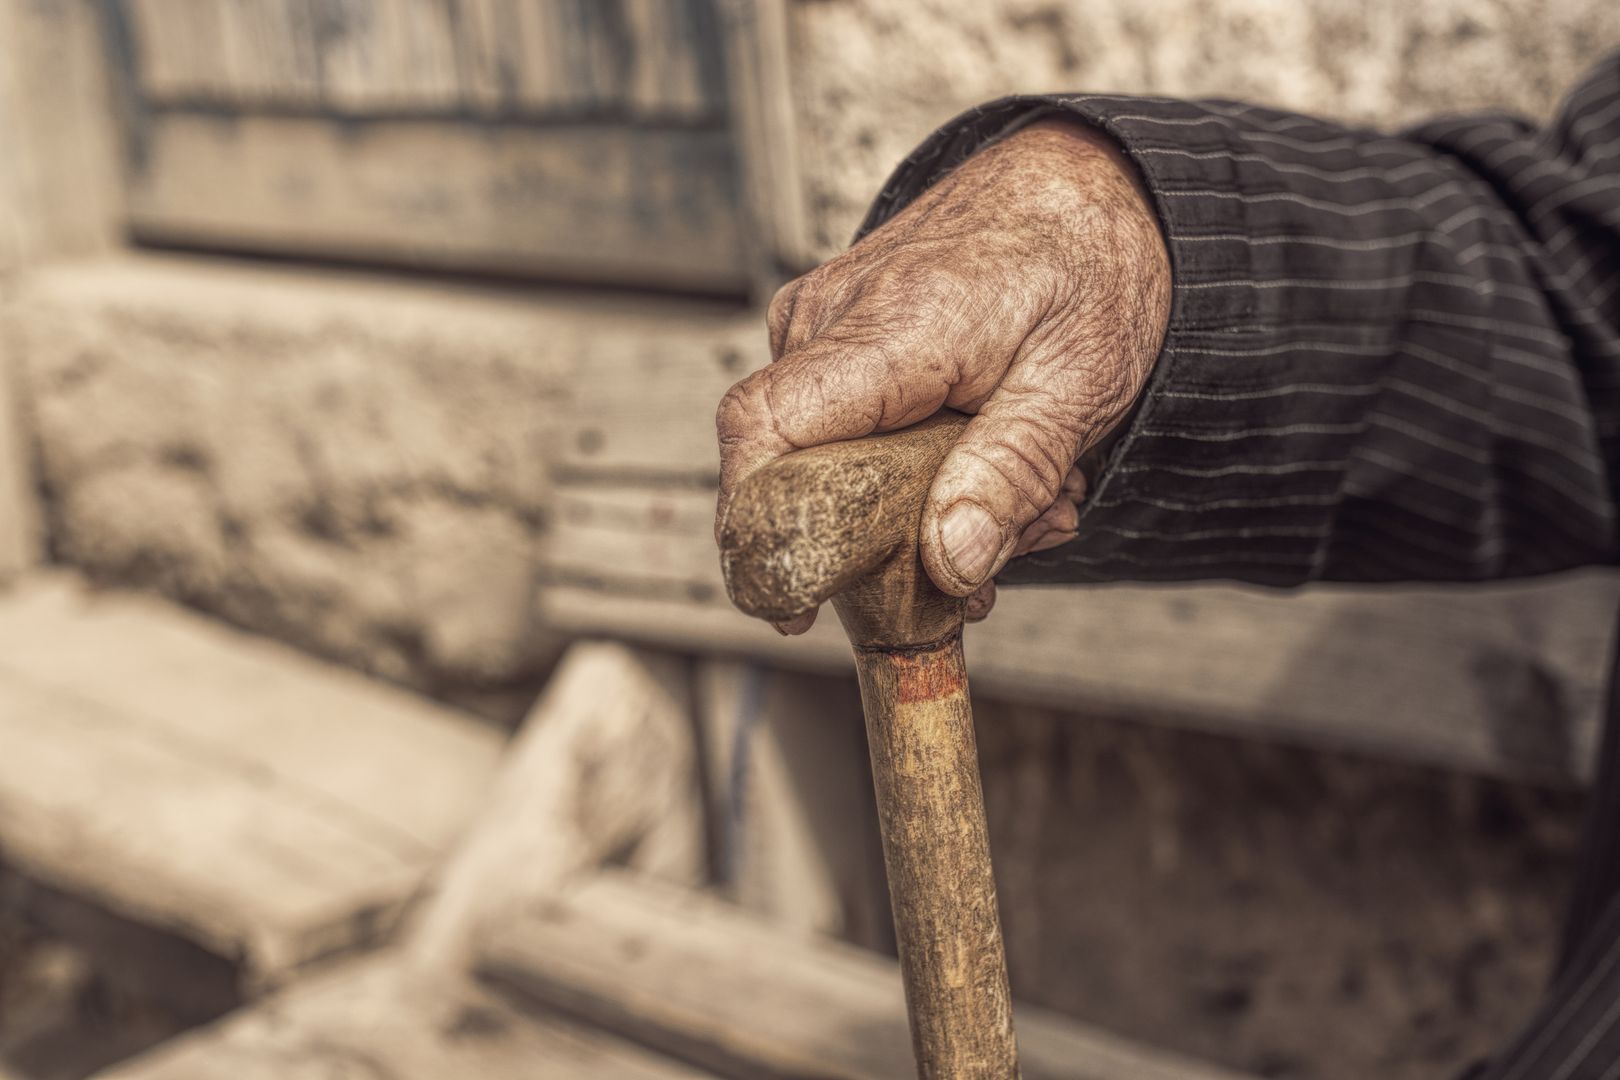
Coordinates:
(1390,357)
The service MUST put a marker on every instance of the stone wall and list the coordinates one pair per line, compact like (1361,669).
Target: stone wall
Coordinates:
(356,466)
(873,77)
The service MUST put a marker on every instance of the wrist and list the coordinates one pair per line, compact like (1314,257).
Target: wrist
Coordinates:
(1089,143)
(1117,248)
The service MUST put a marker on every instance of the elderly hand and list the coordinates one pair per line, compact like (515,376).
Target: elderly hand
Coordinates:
(1030,287)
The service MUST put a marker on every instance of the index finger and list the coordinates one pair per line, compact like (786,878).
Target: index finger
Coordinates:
(825,391)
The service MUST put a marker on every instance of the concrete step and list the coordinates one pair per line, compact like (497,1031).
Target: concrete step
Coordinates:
(382,1018)
(211,787)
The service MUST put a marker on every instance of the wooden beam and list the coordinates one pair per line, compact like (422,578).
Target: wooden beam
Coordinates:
(653,60)
(606,766)
(583,202)
(1503,679)
(59,177)
(708,984)
(765,123)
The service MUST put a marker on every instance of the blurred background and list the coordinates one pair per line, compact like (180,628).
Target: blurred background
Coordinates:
(370,705)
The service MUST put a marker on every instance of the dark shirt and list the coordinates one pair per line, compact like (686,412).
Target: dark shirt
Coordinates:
(1390,357)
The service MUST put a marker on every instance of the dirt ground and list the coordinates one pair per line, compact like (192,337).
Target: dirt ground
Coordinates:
(1300,915)
(60,1018)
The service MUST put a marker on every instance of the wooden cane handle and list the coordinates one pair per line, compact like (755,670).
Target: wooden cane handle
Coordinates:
(842,520)
(841,523)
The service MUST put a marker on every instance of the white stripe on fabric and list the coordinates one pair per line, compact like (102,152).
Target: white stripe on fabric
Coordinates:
(1360,172)
(1579,1054)
(1259,502)
(1211,472)
(1441,191)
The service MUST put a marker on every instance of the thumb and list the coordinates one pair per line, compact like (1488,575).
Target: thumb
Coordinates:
(1005,471)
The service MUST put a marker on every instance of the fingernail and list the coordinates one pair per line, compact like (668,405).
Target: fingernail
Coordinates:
(1056,538)
(972,539)
(797,625)
(979,604)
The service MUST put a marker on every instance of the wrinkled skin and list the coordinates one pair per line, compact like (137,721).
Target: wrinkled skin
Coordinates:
(1029,287)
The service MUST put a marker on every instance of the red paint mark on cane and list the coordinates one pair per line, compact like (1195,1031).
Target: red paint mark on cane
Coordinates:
(929,675)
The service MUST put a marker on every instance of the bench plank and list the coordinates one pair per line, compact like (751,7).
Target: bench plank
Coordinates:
(248,799)
(706,983)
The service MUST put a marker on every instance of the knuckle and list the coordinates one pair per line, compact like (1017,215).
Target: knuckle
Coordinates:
(780,310)
(739,413)
(931,282)
(1029,476)
(888,276)
(801,309)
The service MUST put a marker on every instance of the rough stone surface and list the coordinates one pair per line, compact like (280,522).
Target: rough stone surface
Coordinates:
(873,77)
(354,465)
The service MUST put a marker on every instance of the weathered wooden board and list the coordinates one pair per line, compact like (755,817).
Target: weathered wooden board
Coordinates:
(655,538)
(765,120)
(605,766)
(709,984)
(59,176)
(585,140)
(383,1017)
(645,409)
(648,59)
(589,202)
(1502,679)
(252,801)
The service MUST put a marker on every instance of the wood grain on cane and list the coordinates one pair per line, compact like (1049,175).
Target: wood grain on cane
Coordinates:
(840,523)
(919,728)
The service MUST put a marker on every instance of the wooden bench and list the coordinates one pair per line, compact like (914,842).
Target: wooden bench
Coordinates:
(264,809)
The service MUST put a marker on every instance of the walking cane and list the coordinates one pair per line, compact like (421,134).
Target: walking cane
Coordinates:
(840,523)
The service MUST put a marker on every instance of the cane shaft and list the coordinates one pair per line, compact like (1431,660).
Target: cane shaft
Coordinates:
(841,522)
(931,810)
